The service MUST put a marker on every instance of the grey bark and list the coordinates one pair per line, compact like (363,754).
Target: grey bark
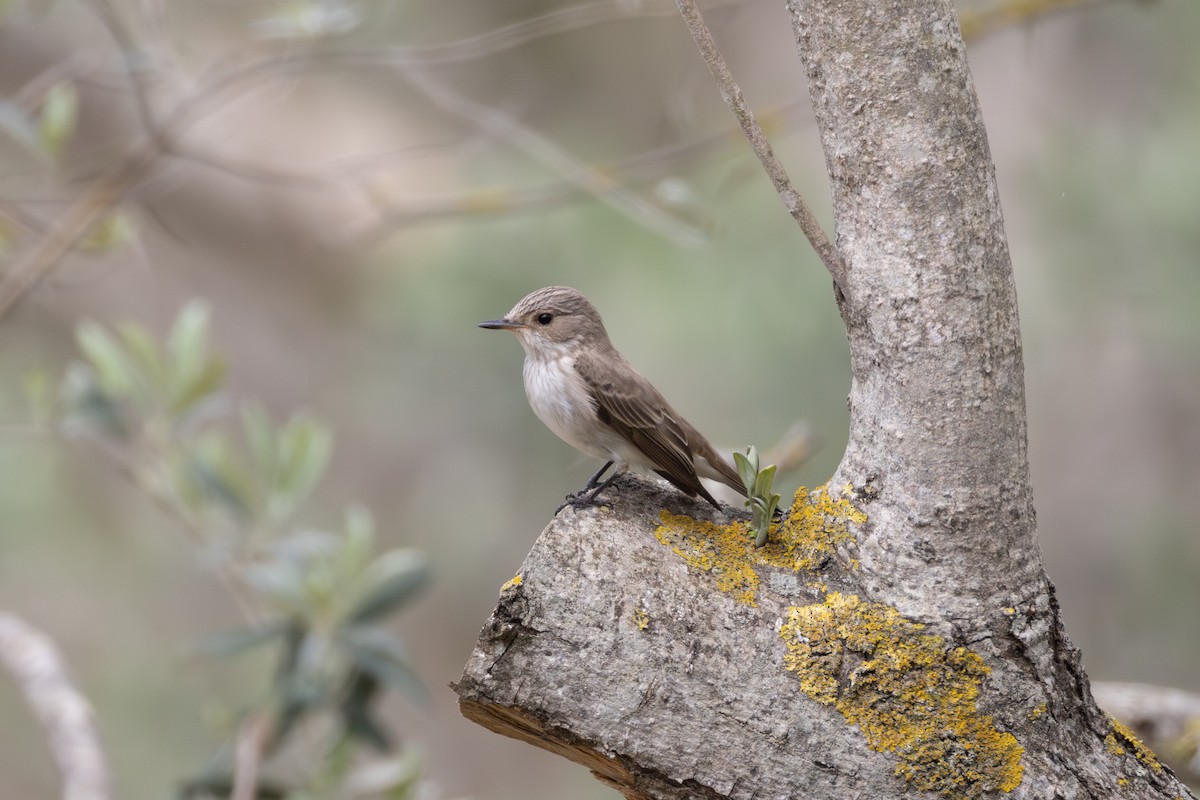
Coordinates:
(615,652)
(33,661)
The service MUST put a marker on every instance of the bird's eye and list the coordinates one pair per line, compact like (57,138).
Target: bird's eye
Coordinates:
(544,319)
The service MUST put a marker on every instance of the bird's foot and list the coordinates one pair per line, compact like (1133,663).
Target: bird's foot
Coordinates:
(586,496)
(577,500)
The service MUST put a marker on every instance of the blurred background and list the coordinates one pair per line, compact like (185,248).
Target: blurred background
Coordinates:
(352,186)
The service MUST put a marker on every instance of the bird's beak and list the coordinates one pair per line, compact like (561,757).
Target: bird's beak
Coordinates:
(501,325)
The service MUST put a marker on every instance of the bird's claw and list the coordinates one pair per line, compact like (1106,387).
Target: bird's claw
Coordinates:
(577,501)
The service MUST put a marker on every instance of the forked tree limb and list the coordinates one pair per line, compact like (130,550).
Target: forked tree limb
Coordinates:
(898,635)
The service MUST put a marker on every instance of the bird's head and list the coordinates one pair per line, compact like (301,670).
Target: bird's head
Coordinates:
(552,322)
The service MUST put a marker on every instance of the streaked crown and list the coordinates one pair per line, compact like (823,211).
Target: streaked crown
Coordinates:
(557,315)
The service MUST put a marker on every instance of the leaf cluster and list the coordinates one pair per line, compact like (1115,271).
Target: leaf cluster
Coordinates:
(760,499)
(236,479)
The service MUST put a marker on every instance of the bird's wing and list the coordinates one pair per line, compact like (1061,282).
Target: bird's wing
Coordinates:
(626,402)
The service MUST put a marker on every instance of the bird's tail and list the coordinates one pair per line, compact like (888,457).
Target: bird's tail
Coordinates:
(714,465)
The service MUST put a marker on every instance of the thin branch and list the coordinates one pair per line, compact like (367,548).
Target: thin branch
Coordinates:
(173,507)
(38,670)
(29,270)
(643,167)
(978,23)
(732,94)
(554,157)
(127,47)
(247,756)
(511,36)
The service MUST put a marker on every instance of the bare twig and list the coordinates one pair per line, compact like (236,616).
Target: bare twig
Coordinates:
(36,667)
(38,260)
(978,23)
(554,157)
(247,756)
(732,94)
(641,167)
(171,505)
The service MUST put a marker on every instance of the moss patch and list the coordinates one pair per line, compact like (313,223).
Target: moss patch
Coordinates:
(808,537)
(906,691)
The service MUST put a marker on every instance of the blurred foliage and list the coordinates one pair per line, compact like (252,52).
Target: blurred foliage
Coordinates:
(318,598)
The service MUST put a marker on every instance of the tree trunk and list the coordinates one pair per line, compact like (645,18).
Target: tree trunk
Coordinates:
(898,634)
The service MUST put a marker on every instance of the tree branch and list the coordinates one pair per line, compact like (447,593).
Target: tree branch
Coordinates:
(897,634)
(36,667)
(732,94)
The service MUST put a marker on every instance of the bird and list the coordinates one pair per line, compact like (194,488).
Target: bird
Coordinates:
(584,390)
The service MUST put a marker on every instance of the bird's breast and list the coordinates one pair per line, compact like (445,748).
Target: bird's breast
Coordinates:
(561,400)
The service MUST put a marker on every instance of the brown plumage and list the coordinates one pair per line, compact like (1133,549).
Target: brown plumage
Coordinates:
(592,398)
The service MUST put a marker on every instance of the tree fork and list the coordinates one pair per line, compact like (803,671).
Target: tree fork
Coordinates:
(898,634)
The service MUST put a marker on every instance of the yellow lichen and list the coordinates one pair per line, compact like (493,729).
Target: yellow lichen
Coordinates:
(1037,712)
(1122,781)
(816,524)
(809,536)
(1121,734)
(723,550)
(512,583)
(907,692)
(640,618)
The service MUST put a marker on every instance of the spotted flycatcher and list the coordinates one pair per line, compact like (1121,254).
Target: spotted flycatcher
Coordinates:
(595,401)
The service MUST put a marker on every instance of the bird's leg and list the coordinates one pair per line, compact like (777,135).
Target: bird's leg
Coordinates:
(585,496)
(595,479)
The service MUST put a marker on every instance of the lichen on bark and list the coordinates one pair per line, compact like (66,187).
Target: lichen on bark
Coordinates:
(816,525)
(907,691)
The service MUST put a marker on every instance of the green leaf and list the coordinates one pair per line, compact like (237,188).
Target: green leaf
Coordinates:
(107,357)
(282,582)
(361,689)
(379,653)
(357,543)
(397,778)
(143,351)
(310,20)
(193,373)
(260,434)
(361,725)
(220,785)
(108,233)
(226,643)
(89,405)
(60,112)
(746,470)
(187,342)
(217,482)
(762,483)
(304,449)
(186,394)
(399,575)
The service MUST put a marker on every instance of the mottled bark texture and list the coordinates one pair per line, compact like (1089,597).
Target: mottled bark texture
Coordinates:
(898,636)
